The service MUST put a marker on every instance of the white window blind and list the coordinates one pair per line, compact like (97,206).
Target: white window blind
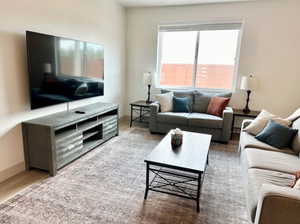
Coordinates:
(200,27)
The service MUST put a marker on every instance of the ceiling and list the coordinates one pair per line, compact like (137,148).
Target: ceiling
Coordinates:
(145,3)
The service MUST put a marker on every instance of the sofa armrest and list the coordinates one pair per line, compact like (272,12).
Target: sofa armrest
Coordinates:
(227,122)
(228,110)
(278,205)
(154,109)
(246,123)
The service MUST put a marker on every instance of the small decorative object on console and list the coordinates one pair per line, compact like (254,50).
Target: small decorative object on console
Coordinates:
(176,137)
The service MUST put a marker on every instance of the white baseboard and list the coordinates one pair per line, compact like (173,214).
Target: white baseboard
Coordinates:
(11,171)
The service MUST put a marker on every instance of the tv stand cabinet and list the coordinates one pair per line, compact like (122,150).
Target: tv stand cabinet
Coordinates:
(53,141)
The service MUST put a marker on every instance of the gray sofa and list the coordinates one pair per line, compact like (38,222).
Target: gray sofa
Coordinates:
(196,121)
(269,173)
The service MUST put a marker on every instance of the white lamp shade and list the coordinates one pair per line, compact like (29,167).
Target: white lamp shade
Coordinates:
(47,68)
(147,78)
(245,83)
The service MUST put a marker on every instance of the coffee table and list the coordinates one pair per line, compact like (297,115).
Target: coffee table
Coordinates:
(178,171)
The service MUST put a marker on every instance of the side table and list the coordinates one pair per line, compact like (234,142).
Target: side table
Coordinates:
(240,113)
(140,108)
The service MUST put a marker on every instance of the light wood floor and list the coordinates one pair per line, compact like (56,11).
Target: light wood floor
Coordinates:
(22,180)
(19,182)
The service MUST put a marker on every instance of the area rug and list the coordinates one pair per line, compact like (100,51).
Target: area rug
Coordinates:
(107,186)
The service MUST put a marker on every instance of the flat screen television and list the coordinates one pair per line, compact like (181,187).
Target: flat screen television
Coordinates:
(62,70)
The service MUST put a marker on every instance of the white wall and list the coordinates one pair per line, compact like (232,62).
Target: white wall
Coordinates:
(270,47)
(100,21)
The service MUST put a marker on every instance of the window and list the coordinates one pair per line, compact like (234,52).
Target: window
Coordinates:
(78,58)
(200,56)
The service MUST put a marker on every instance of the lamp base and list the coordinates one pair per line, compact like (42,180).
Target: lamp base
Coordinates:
(149,101)
(246,110)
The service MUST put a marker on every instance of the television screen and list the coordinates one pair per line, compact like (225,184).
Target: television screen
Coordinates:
(63,70)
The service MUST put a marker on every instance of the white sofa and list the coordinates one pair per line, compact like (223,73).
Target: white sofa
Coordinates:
(269,173)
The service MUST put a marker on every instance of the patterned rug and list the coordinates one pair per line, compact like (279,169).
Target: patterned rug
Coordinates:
(107,186)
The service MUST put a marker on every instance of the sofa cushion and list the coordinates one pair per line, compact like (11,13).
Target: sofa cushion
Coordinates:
(249,141)
(294,116)
(270,160)
(260,122)
(277,135)
(258,177)
(296,141)
(202,99)
(165,101)
(217,105)
(181,93)
(173,118)
(181,104)
(204,120)
(297,185)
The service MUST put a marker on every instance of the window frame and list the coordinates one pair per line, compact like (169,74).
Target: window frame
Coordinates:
(212,23)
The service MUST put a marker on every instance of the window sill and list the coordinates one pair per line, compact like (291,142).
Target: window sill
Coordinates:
(193,88)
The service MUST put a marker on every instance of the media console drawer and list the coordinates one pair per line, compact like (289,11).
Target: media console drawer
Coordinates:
(50,143)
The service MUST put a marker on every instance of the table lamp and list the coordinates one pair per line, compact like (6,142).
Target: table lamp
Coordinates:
(148,81)
(246,84)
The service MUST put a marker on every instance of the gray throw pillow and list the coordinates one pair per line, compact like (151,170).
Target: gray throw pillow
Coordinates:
(202,99)
(277,135)
(182,93)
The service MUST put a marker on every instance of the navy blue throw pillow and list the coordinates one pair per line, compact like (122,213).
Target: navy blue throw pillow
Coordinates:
(277,135)
(181,104)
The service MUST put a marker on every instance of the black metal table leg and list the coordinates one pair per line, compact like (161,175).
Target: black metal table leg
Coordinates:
(147,181)
(141,114)
(131,114)
(207,160)
(198,192)
(139,110)
(232,126)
